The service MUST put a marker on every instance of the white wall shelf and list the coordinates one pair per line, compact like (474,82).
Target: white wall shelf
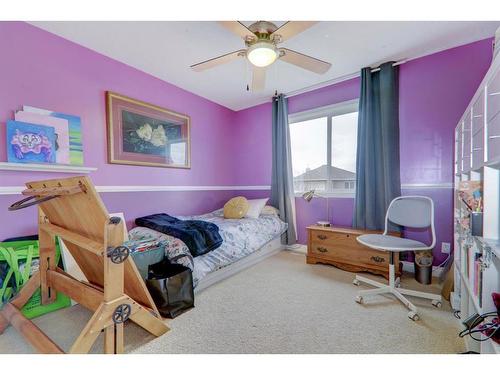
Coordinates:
(494,245)
(59,168)
(470,292)
(477,158)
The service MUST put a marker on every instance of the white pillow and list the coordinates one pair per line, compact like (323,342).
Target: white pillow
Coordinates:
(270,210)
(255,207)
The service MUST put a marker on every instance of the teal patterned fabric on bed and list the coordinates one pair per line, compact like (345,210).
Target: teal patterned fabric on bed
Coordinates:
(174,247)
(241,237)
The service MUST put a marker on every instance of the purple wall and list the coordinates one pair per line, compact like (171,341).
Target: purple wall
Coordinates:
(133,204)
(253,130)
(44,70)
(434,92)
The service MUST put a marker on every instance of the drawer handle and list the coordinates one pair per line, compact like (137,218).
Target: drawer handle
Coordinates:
(322,236)
(377,259)
(322,249)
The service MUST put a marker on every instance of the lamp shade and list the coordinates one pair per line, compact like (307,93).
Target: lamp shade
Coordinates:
(262,54)
(308,195)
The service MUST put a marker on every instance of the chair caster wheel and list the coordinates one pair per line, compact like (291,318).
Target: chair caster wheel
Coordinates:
(397,283)
(355,282)
(413,316)
(359,299)
(436,304)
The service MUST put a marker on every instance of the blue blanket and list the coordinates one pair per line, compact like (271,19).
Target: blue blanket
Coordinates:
(199,236)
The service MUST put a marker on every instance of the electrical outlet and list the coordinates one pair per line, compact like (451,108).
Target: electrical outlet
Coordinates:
(445,247)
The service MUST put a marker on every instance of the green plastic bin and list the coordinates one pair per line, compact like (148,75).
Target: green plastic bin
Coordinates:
(19,260)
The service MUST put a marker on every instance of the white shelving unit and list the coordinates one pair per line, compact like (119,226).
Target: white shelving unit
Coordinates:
(477,158)
(59,168)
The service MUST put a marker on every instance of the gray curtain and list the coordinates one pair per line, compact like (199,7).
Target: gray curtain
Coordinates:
(377,165)
(282,194)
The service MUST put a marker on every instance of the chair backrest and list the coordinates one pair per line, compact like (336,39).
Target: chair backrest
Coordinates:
(413,212)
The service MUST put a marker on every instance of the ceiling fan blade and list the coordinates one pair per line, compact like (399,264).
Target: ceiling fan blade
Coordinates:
(291,28)
(304,61)
(237,28)
(204,65)
(258,78)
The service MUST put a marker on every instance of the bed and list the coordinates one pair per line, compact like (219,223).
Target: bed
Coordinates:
(245,242)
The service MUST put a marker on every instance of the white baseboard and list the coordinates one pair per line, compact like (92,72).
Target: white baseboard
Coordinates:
(409,267)
(297,248)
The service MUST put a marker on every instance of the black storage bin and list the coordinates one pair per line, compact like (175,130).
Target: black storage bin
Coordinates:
(171,287)
(423,270)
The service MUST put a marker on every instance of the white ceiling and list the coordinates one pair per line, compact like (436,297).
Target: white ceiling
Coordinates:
(167,49)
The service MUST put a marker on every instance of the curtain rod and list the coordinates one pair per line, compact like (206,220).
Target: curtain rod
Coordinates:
(395,64)
(336,80)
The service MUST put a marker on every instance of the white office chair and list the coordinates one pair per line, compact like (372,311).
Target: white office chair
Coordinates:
(408,211)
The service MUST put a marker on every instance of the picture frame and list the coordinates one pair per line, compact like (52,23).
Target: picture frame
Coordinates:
(30,143)
(145,134)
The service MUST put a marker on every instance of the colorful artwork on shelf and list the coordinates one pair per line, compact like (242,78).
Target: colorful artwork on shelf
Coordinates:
(75,132)
(60,126)
(30,143)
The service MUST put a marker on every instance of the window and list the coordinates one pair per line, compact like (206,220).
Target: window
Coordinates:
(323,144)
(349,184)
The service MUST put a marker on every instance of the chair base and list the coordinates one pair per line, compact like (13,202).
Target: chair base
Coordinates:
(394,289)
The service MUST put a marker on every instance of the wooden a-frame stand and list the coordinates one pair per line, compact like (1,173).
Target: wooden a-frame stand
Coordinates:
(72,210)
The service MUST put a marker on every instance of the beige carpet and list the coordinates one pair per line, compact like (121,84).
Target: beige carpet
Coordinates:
(281,305)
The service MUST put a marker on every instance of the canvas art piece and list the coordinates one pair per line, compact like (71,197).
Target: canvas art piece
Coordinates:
(140,133)
(75,131)
(30,143)
(60,127)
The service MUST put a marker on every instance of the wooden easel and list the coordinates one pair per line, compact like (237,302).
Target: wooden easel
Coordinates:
(71,209)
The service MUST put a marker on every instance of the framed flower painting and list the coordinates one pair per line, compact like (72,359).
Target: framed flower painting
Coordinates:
(140,133)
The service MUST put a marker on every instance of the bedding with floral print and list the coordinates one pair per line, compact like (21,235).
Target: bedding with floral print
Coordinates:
(175,250)
(241,237)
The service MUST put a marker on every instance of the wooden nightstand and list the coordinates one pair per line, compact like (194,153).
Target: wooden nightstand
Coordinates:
(338,246)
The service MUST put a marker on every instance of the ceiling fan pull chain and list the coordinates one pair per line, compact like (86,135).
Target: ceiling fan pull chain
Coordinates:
(247,74)
(277,79)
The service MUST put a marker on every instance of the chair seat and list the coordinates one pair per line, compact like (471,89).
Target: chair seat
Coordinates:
(391,243)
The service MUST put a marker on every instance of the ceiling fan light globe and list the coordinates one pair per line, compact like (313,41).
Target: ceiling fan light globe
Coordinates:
(262,54)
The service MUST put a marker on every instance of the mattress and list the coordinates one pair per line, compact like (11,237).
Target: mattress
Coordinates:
(241,237)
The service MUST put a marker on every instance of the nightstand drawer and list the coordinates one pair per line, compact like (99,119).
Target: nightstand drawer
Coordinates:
(332,238)
(324,250)
(351,254)
(339,247)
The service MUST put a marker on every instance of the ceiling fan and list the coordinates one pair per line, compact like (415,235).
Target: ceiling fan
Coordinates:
(262,39)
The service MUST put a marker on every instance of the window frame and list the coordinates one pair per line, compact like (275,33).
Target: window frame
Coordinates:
(329,111)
